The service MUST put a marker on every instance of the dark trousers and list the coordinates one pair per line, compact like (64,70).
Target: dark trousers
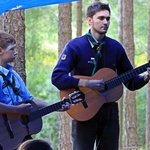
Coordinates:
(103,129)
(1,148)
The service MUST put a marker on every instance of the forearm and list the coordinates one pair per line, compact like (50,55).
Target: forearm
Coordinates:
(136,83)
(4,108)
(21,108)
(40,103)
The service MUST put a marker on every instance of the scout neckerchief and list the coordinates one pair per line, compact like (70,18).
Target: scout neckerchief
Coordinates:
(8,83)
(97,50)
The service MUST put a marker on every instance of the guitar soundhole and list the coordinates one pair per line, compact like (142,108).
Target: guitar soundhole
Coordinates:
(24,119)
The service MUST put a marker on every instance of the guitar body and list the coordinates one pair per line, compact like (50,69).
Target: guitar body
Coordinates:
(19,130)
(94,99)
(14,128)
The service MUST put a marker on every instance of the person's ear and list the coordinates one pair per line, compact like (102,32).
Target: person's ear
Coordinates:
(1,50)
(89,21)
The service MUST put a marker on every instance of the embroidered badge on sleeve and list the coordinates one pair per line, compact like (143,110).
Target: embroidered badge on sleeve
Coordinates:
(63,57)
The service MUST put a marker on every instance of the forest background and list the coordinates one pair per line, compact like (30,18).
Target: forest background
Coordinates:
(42,54)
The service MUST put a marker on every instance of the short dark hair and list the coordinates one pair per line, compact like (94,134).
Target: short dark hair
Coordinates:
(35,144)
(6,39)
(96,7)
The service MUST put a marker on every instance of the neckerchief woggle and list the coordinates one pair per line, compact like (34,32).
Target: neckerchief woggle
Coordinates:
(98,48)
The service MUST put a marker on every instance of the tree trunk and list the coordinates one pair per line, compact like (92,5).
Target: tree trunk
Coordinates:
(1,23)
(79,18)
(148,90)
(120,32)
(64,25)
(131,137)
(13,23)
(64,35)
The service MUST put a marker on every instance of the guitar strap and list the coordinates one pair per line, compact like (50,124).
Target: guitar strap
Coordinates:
(96,50)
(8,83)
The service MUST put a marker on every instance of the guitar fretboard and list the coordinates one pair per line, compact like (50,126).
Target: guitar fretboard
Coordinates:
(126,76)
(46,110)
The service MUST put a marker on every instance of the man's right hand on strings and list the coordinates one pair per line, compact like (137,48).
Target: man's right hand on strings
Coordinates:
(98,85)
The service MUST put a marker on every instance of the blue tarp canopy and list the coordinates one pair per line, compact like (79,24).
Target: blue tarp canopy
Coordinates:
(8,5)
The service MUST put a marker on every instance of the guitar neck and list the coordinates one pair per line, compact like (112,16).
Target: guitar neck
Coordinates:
(46,110)
(125,76)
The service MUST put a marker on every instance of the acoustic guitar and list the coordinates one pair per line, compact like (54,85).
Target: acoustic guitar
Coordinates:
(14,127)
(96,99)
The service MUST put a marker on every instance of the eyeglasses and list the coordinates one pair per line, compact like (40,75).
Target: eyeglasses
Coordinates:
(103,17)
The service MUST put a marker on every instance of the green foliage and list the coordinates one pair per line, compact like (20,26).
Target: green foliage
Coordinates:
(141,26)
(41,56)
(141,44)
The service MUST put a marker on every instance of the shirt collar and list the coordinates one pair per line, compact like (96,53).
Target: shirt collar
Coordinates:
(91,42)
(6,70)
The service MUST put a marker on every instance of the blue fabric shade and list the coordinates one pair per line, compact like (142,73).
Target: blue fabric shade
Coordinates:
(8,5)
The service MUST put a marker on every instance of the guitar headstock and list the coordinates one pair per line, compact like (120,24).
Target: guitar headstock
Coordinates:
(76,97)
